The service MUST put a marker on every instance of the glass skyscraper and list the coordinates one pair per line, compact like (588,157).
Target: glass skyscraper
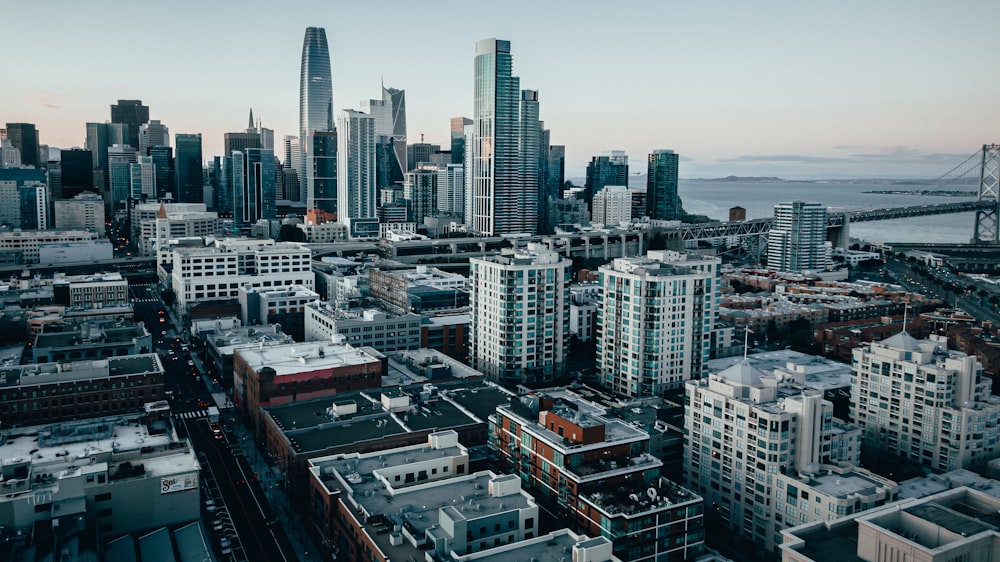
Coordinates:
(188,168)
(132,114)
(315,101)
(356,194)
(610,168)
(662,201)
(498,202)
(253,182)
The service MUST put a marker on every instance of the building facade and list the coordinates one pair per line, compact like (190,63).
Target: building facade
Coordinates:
(662,201)
(356,193)
(797,240)
(612,206)
(362,327)
(315,103)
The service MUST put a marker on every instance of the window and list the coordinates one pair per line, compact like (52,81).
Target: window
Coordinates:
(529,523)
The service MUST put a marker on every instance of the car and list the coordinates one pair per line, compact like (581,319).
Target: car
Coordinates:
(224,542)
(210,506)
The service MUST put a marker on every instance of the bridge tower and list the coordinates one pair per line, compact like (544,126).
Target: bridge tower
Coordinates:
(988,220)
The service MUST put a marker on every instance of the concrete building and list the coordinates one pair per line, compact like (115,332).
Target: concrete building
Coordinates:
(90,291)
(362,327)
(31,394)
(612,206)
(267,376)
(24,199)
(277,306)
(797,241)
(219,271)
(446,332)
(959,524)
(925,403)
(29,242)
(356,194)
(121,474)
(655,319)
(83,212)
(766,451)
(222,339)
(75,252)
(359,494)
(596,473)
(520,317)
(169,224)
(90,340)
(551,547)
(583,310)
(421,289)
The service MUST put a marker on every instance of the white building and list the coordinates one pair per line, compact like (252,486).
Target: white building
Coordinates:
(143,178)
(583,310)
(758,447)
(362,327)
(219,271)
(174,221)
(520,315)
(83,212)
(797,240)
(356,196)
(655,320)
(926,403)
(612,206)
(29,242)
(451,190)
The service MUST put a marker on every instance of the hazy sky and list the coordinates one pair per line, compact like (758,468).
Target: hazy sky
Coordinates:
(793,89)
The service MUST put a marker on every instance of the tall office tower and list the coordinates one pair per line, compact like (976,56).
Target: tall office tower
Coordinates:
(797,241)
(470,155)
(10,156)
(188,168)
(293,152)
(238,142)
(451,191)
(222,201)
(53,178)
(421,153)
(556,170)
(143,179)
(290,183)
(662,201)
(420,191)
(544,192)
(163,167)
(151,134)
(34,202)
(528,152)
(23,199)
(77,171)
(252,178)
(133,114)
(610,168)
(500,204)
(766,454)
(656,317)
(24,137)
(97,144)
(612,206)
(390,128)
(323,166)
(924,403)
(315,101)
(120,160)
(118,134)
(356,193)
(520,315)
(458,125)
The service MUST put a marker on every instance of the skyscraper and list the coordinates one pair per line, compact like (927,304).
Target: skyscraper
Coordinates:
(120,160)
(77,171)
(528,153)
(390,128)
(458,125)
(797,240)
(152,134)
(499,201)
(315,100)
(97,144)
(24,137)
(556,170)
(188,165)
(520,315)
(252,178)
(356,194)
(420,190)
(610,168)
(323,170)
(133,114)
(662,202)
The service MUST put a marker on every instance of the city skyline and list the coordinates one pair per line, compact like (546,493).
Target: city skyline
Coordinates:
(846,90)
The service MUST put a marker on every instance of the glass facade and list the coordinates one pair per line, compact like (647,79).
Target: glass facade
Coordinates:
(188,168)
(662,201)
(253,178)
(315,100)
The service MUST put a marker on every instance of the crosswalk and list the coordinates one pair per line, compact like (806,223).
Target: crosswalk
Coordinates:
(149,299)
(192,415)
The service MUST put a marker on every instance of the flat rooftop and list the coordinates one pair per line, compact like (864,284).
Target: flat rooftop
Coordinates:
(295,358)
(52,373)
(950,519)
(553,547)
(815,372)
(844,485)
(834,544)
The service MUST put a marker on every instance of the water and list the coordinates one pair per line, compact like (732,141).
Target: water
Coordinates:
(714,198)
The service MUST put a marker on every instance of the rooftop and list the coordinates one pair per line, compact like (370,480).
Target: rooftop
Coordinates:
(810,371)
(640,498)
(289,359)
(845,485)
(556,546)
(51,373)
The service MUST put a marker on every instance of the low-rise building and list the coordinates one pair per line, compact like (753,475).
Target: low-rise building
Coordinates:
(121,474)
(284,306)
(74,341)
(55,392)
(447,333)
(83,212)
(362,327)
(90,291)
(28,241)
(220,343)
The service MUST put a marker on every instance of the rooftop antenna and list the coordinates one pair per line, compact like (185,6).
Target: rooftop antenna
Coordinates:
(746,342)
(906,307)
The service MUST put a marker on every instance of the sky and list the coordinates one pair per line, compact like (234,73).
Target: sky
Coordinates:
(848,89)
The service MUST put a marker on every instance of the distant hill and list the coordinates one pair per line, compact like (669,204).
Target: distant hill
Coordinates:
(743,179)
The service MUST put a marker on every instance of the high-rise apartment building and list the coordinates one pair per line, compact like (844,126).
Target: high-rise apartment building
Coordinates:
(420,191)
(253,186)
(655,318)
(662,201)
(356,193)
(458,125)
(612,206)
(797,240)
(315,103)
(323,161)
(498,201)
(188,168)
(24,137)
(610,168)
(451,190)
(766,453)
(132,114)
(925,403)
(529,157)
(520,320)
